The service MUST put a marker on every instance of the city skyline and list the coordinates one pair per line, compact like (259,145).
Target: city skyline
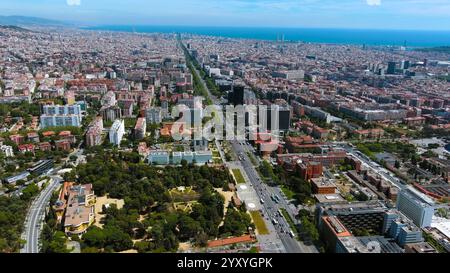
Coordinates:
(224,127)
(359,14)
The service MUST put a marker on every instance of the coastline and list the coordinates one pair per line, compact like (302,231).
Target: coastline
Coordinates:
(369,37)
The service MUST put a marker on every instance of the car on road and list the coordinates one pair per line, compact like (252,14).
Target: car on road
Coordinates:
(276,198)
(274,221)
(291,233)
(262,201)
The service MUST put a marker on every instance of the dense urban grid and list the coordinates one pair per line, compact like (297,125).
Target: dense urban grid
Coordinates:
(356,159)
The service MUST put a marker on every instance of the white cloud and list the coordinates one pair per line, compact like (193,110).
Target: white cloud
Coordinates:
(373,2)
(73,2)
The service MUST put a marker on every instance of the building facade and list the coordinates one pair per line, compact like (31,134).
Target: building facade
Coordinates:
(116,132)
(417,206)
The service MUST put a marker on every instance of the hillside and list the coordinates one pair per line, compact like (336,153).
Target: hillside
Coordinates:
(29,21)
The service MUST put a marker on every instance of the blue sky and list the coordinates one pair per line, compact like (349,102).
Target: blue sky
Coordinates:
(380,14)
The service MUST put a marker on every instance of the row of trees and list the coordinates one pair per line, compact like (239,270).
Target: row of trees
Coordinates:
(291,180)
(12,217)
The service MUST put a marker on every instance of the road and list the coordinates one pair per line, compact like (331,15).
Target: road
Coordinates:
(36,214)
(264,192)
(271,208)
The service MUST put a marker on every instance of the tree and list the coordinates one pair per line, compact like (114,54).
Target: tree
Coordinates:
(95,237)
(188,227)
(201,239)
(309,228)
(117,239)
(58,243)
(145,190)
(236,222)
(30,191)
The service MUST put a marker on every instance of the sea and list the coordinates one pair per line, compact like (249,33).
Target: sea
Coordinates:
(408,38)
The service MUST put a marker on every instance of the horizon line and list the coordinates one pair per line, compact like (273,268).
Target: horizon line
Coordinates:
(81,24)
(265,27)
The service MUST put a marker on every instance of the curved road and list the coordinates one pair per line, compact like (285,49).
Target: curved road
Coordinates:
(36,214)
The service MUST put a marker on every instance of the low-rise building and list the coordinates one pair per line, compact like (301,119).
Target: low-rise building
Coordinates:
(80,210)
(422,247)
(323,185)
(41,167)
(63,145)
(159,157)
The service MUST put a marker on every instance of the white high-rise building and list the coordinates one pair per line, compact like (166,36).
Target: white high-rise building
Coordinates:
(116,132)
(7,150)
(416,206)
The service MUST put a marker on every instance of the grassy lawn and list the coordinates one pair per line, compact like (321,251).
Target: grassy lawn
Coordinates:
(289,194)
(238,176)
(259,223)
(289,220)
(187,195)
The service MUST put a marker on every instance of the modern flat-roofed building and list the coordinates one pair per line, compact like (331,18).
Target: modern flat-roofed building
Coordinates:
(80,210)
(41,167)
(159,158)
(367,215)
(416,206)
(116,132)
(60,120)
(202,157)
(293,75)
(331,230)
(350,244)
(61,110)
(384,245)
(13,179)
(323,185)
(61,115)
(405,232)
(276,117)
(164,157)
(329,198)
(422,247)
(188,156)
(177,157)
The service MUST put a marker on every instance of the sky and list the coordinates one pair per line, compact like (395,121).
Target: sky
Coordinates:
(373,14)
